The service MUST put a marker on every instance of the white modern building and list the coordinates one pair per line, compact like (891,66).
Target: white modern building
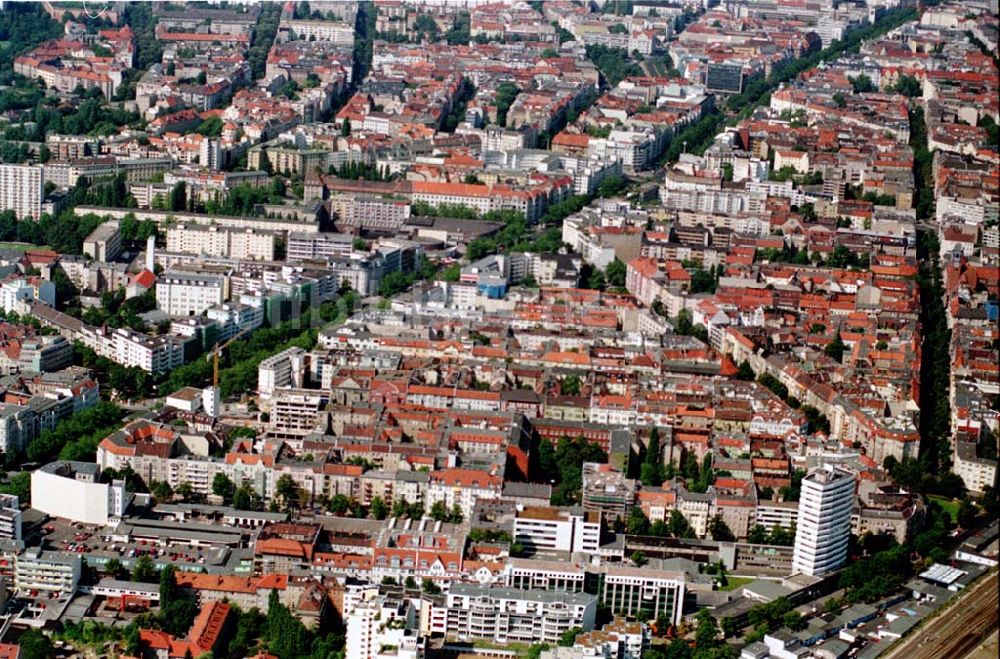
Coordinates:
(35,569)
(104,243)
(383,626)
(247,244)
(74,491)
(235,317)
(10,517)
(558,529)
(507,615)
(17,427)
(18,292)
(180,293)
(22,190)
(153,354)
(285,369)
(824,523)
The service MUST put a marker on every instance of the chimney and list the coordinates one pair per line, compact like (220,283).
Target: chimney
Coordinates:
(151,253)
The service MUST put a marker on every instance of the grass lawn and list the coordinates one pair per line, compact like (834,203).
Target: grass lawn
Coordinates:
(947,505)
(24,247)
(735,582)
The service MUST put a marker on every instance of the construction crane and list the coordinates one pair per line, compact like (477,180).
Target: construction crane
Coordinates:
(214,355)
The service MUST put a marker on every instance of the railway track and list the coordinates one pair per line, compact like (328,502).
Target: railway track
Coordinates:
(959,629)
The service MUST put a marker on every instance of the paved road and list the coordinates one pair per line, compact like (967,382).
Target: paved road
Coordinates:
(959,629)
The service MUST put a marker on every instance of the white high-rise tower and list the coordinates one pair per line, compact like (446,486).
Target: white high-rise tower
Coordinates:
(151,253)
(824,524)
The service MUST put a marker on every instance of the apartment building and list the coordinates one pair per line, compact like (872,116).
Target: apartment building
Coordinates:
(309,246)
(10,518)
(484,198)
(235,317)
(17,427)
(44,354)
(337,34)
(462,488)
(382,622)
(153,354)
(16,293)
(976,472)
(183,293)
(824,522)
(246,244)
(371,212)
(51,571)
(285,369)
(22,189)
(624,589)
(104,243)
(71,147)
(508,615)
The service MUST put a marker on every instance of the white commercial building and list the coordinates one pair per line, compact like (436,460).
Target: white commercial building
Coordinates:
(824,523)
(558,529)
(22,190)
(74,491)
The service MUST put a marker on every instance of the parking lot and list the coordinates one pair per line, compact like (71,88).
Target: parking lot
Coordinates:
(98,545)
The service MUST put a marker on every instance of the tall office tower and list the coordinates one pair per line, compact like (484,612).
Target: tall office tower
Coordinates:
(22,190)
(824,524)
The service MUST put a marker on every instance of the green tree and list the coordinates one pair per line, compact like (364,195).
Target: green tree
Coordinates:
(793,620)
(114,568)
(244,498)
(168,586)
(570,385)
(505,94)
(967,513)
(757,535)
(679,526)
(223,487)
(288,490)
(568,637)
(862,84)
(439,511)
(719,530)
(637,523)
(285,635)
(378,508)
(185,491)
(34,644)
(144,570)
(651,471)
(835,349)
(615,273)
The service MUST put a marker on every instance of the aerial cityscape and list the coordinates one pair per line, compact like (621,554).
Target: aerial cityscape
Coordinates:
(489,329)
